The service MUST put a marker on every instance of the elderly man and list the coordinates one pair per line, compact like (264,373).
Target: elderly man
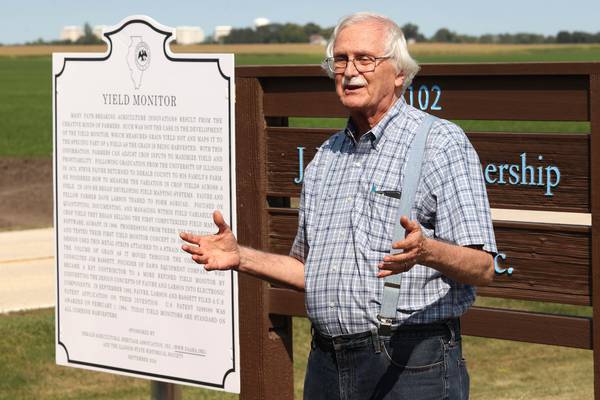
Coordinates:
(344,248)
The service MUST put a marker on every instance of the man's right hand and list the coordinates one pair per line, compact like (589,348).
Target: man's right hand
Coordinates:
(216,252)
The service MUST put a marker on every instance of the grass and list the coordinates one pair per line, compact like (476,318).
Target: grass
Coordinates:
(467,125)
(505,370)
(25,107)
(422,51)
(535,306)
(28,370)
(499,369)
(25,98)
(510,54)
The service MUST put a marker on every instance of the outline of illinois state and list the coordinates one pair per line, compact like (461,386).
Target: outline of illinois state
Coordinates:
(135,73)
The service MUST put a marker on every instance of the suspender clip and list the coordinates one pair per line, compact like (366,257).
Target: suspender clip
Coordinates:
(385,326)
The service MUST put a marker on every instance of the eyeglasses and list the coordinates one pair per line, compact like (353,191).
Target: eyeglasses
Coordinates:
(338,64)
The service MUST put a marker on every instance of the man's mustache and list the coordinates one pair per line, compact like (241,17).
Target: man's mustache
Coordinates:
(355,81)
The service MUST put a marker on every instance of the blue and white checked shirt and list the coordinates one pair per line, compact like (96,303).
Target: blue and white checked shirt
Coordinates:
(345,229)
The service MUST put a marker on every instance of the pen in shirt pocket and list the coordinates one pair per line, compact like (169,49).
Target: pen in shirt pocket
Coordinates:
(389,193)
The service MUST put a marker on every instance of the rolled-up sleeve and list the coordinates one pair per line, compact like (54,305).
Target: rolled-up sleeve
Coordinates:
(300,247)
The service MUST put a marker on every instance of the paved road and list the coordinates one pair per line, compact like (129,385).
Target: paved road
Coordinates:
(26,269)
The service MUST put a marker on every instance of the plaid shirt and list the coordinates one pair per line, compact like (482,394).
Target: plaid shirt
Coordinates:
(345,229)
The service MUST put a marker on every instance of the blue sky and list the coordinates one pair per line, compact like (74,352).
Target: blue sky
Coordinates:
(27,20)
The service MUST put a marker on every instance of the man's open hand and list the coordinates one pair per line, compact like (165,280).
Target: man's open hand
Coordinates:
(217,252)
(413,250)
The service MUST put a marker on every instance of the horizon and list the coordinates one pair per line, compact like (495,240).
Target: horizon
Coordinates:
(465,17)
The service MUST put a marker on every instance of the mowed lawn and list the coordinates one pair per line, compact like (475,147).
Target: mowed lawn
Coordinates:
(25,107)
(26,85)
(499,369)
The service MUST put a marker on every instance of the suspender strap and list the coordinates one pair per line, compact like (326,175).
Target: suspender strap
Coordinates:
(412,174)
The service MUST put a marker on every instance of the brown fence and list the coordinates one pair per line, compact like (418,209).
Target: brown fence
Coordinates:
(552,262)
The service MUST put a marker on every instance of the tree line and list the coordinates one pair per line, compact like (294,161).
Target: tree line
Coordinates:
(296,33)
(87,38)
(277,33)
(447,36)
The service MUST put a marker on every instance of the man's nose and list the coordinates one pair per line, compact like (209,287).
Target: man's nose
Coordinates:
(350,69)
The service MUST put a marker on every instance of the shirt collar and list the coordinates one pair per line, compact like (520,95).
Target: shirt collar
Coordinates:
(378,130)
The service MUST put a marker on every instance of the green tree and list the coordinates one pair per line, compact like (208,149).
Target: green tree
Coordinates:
(563,37)
(88,36)
(327,32)
(242,35)
(488,38)
(444,35)
(312,29)
(581,37)
(293,33)
(411,31)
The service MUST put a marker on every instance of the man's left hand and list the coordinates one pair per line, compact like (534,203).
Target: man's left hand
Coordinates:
(413,250)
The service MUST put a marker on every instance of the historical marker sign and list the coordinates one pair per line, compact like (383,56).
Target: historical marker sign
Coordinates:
(143,149)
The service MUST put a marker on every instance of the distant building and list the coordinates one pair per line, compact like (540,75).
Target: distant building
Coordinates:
(260,21)
(98,30)
(221,31)
(71,33)
(317,40)
(189,35)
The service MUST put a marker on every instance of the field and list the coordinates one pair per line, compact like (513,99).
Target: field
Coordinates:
(25,107)
(25,79)
(424,52)
(499,369)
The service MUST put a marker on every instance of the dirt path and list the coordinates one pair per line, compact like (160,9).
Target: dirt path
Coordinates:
(25,193)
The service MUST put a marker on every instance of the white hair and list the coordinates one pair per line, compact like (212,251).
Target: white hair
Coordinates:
(395,46)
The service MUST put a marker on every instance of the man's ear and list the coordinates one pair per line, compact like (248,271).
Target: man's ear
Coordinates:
(399,80)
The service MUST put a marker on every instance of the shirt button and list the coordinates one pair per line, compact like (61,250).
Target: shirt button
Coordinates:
(332,304)
(349,199)
(334,268)
(357,164)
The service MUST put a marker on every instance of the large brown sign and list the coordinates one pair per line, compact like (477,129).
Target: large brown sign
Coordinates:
(557,175)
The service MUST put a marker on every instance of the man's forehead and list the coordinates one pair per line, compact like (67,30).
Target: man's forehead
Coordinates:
(365,37)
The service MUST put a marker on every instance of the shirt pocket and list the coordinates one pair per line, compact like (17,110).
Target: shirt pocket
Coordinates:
(382,220)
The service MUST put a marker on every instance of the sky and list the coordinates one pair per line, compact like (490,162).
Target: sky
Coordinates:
(28,20)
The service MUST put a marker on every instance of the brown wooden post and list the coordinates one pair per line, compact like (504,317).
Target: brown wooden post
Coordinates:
(595,201)
(164,391)
(266,348)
